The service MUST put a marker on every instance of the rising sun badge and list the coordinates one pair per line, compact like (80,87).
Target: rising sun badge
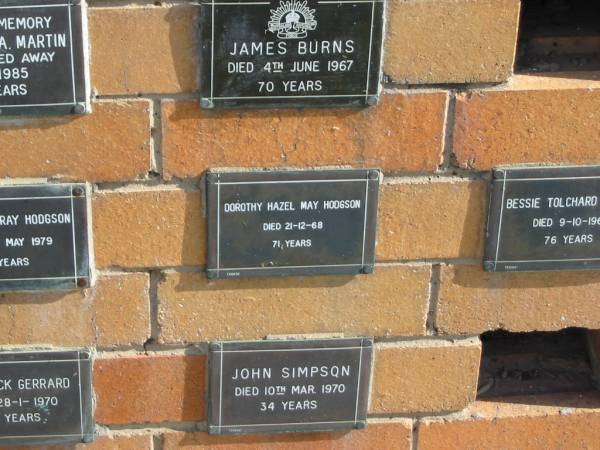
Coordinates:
(292,19)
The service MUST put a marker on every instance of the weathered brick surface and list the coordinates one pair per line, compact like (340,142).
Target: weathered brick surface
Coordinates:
(115,442)
(529,423)
(149,389)
(114,312)
(439,219)
(451,41)
(112,144)
(148,228)
(425,376)
(392,301)
(396,435)
(143,49)
(472,301)
(526,124)
(403,133)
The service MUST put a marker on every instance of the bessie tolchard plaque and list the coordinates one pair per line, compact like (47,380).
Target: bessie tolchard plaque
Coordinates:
(291,223)
(45,397)
(44,237)
(43,57)
(290,53)
(545,218)
(276,386)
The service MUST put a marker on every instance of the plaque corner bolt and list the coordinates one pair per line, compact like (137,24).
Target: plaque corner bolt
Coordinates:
(373,174)
(207,103)
(366,343)
(498,174)
(87,439)
(214,346)
(360,425)
(488,266)
(75,2)
(79,108)
(372,100)
(367,268)
(82,282)
(212,177)
(78,192)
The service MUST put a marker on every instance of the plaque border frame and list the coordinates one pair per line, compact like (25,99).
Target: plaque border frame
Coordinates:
(79,106)
(493,232)
(214,180)
(209,101)
(364,381)
(87,423)
(83,260)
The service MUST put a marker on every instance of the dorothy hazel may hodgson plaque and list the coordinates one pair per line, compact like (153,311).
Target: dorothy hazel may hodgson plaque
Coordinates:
(291,52)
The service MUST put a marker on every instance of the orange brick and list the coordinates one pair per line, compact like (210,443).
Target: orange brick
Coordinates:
(425,376)
(439,219)
(392,301)
(451,41)
(143,49)
(386,435)
(114,312)
(111,144)
(115,442)
(148,228)
(404,132)
(568,422)
(524,123)
(472,301)
(150,389)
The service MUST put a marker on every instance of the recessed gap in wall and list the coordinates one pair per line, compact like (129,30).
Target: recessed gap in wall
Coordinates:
(559,36)
(534,363)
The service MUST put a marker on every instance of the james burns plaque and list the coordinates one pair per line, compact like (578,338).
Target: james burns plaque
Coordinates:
(545,218)
(42,57)
(44,237)
(291,223)
(45,398)
(276,386)
(291,52)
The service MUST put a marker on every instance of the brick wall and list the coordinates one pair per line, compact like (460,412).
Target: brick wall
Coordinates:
(451,110)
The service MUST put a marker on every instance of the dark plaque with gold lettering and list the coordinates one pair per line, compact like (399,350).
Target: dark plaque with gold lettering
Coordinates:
(42,57)
(291,53)
(291,223)
(278,386)
(44,237)
(545,218)
(46,398)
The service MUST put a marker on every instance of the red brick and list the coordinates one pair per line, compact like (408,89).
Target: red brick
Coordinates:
(472,301)
(115,311)
(404,132)
(431,219)
(114,442)
(150,389)
(429,375)
(528,123)
(568,421)
(381,435)
(143,49)
(111,144)
(148,228)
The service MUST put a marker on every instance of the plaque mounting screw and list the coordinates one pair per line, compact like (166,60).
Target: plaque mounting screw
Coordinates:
(207,103)
(214,346)
(373,174)
(79,108)
(77,192)
(488,266)
(82,282)
(498,174)
(372,100)
(212,177)
(367,268)
(360,425)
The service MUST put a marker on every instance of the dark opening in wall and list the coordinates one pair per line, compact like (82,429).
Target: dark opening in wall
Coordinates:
(534,363)
(559,35)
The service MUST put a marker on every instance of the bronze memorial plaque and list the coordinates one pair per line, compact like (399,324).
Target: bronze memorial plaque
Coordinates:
(300,385)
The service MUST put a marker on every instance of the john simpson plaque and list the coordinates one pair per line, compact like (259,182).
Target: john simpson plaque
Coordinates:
(278,386)
(544,218)
(291,53)
(291,222)
(43,53)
